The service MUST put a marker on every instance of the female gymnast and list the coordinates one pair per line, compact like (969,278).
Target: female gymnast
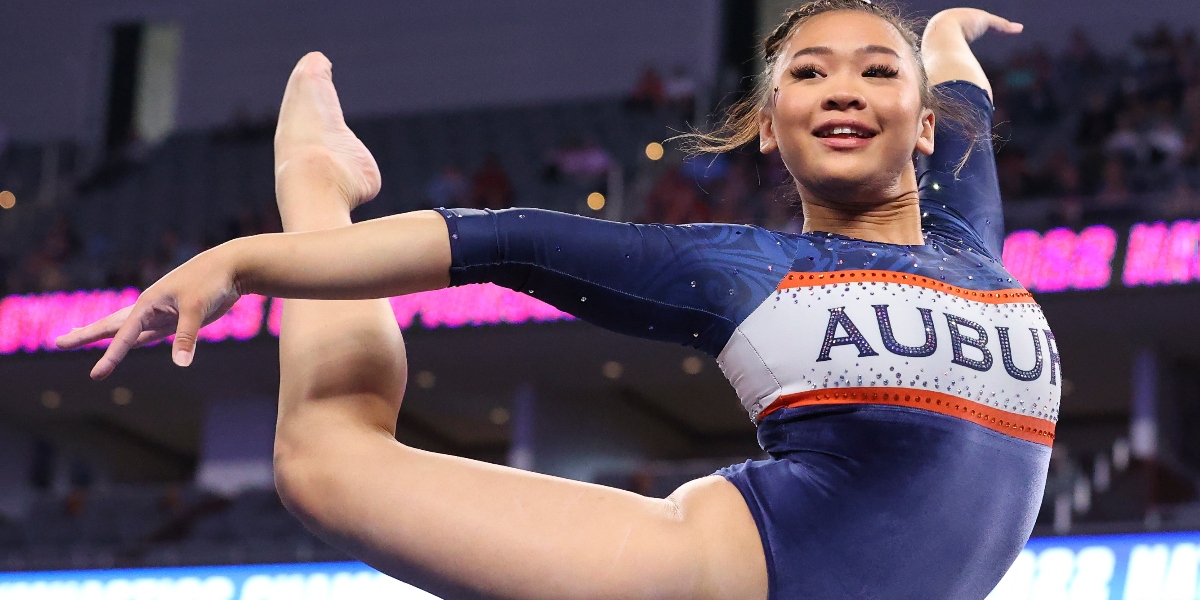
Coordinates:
(905,387)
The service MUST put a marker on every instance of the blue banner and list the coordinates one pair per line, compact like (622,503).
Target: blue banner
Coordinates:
(317,581)
(1157,566)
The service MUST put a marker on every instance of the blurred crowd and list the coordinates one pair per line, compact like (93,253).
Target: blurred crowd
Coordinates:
(1095,135)
(1102,133)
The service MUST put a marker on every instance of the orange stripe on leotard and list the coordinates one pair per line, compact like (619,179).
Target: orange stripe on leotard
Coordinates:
(1025,427)
(798,279)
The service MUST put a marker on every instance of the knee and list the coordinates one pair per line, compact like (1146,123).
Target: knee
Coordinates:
(298,481)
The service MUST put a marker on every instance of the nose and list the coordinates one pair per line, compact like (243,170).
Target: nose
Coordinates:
(843,101)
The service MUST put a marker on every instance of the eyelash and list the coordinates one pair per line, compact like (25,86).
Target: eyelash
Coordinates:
(810,71)
(884,71)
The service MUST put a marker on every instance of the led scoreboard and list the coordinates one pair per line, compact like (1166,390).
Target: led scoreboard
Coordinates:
(1062,259)
(1057,260)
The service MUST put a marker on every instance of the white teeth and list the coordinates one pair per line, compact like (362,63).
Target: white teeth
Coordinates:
(844,130)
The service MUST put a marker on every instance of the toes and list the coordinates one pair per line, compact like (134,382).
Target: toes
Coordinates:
(315,64)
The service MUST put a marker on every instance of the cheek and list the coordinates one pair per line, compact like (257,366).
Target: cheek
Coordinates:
(791,122)
(902,115)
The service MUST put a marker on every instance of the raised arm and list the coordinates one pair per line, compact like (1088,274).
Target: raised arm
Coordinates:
(946,44)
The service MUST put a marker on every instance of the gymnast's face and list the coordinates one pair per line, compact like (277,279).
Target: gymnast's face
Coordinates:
(846,113)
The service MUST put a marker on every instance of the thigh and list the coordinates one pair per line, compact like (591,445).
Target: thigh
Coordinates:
(513,534)
(736,565)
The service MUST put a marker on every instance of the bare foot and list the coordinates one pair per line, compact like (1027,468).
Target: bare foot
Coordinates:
(313,145)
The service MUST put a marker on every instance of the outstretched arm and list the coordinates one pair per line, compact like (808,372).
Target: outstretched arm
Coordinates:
(946,45)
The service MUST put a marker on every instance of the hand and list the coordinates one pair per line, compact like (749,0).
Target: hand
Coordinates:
(184,300)
(972,22)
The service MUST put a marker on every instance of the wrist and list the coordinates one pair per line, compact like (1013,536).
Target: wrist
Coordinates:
(234,256)
(940,26)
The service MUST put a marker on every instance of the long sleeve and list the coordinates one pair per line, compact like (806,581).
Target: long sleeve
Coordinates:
(964,203)
(688,284)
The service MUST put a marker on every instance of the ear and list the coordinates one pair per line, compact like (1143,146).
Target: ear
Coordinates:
(925,130)
(766,132)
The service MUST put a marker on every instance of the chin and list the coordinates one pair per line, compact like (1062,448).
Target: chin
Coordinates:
(841,180)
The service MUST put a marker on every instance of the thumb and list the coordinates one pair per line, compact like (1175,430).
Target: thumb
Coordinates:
(184,347)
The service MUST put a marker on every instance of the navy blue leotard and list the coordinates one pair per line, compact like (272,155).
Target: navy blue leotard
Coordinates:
(906,395)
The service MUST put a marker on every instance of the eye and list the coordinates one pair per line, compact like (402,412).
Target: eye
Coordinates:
(807,72)
(885,71)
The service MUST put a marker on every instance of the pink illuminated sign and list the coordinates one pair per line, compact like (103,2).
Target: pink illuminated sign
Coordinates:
(1061,259)
(30,323)
(1162,254)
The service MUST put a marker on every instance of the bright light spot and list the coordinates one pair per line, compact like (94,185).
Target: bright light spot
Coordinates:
(7,199)
(51,399)
(595,201)
(426,379)
(498,415)
(612,369)
(654,151)
(692,365)
(122,396)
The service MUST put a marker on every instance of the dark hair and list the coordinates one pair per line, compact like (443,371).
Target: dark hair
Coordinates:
(740,123)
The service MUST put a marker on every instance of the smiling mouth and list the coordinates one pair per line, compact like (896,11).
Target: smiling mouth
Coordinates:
(844,132)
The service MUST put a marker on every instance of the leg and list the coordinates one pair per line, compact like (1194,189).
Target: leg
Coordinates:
(459,523)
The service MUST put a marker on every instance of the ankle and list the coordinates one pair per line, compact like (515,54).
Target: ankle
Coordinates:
(314,217)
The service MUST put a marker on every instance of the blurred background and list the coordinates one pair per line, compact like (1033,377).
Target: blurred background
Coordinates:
(135,134)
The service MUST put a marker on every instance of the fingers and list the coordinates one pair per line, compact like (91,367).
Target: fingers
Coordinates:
(125,338)
(184,347)
(100,330)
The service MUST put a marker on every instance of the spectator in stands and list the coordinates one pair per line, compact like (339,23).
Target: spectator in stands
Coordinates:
(490,187)
(447,189)
(675,199)
(649,93)
(1165,144)
(1125,143)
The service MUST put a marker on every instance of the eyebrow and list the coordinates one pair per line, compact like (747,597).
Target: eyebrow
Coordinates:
(826,51)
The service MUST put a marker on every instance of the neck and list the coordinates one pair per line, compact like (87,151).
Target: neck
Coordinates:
(894,218)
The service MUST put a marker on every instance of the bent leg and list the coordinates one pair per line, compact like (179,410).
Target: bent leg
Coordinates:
(460,523)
